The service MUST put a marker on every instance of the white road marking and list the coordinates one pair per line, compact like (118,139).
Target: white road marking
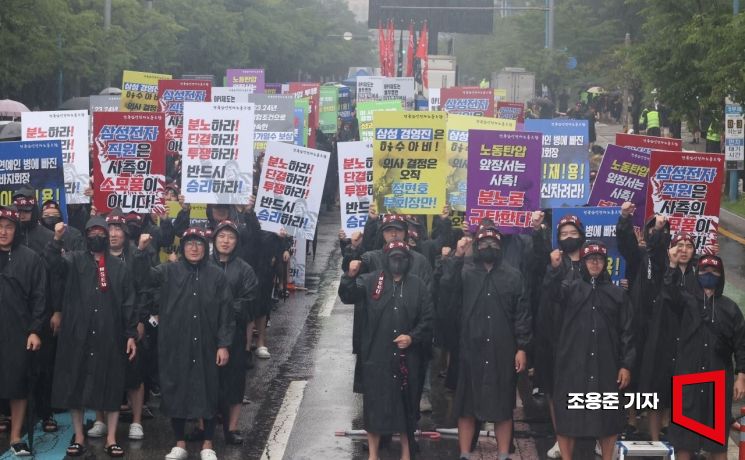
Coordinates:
(280,434)
(328,306)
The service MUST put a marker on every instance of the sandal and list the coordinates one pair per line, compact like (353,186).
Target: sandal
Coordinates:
(49,425)
(115,450)
(75,450)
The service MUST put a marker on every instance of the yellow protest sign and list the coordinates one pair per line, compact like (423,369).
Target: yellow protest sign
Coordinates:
(409,162)
(140,91)
(457,152)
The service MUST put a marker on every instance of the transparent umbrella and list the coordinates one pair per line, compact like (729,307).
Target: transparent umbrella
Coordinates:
(11,108)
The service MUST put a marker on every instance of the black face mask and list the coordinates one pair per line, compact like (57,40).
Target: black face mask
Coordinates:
(51,221)
(488,255)
(97,243)
(570,245)
(134,231)
(398,265)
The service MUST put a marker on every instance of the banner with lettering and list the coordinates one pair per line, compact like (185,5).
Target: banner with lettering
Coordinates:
(291,189)
(37,164)
(410,162)
(467,101)
(687,188)
(504,178)
(648,143)
(623,176)
(355,184)
(365,115)
(171,97)
(218,153)
(129,162)
(71,128)
(565,161)
(457,152)
(250,79)
(140,91)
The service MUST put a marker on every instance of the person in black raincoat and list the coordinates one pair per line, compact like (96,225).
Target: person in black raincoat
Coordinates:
(50,215)
(570,233)
(22,315)
(495,333)
(195,332)
(645,269)
(33,235)
(244,286)
(97,331)
(121,247)
(657,359)
(712,333)
(162,234)
(594,350)
(396,309)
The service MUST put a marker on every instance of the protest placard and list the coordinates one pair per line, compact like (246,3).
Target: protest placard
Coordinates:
(250,79)
(291,188)
(410,163)
(218,153)
(274,119)
(686,187)
(171,97)
(467,101)
(565,164)
(140,91)
(433,99)
(302,114)
(623,176)
(511,111)
(375,88)
(329,109)
(311,90)
(457,152)
(104,103)
(71,128)
(355,184)
(129,162)
(648,143)
(37,164)
(365,115)
(504,178)
(600,225)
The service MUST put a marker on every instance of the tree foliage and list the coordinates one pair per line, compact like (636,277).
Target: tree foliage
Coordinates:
(43,39)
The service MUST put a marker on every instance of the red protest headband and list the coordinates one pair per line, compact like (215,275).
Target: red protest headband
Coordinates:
(194,231)
(393,245)
(489,233)
(116,220)
(682,236)
(6,213)
(24,201)
(389,218)
(593,249)
(711,261)
(573,220)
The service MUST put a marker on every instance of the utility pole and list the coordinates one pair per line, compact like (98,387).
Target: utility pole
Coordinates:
(626,102)
(106,28)
(734,176)
(550,14)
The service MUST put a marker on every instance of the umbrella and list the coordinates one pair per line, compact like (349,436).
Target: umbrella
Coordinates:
(11,131)
(10,108)
(111,90)
(76,103)
(596,90)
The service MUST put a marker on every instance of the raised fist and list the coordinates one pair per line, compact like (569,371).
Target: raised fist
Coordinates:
(145,240)
(59,230)
(536,219)
(354,268)
(372,213)
(463,244)
(556,258)
(627,209)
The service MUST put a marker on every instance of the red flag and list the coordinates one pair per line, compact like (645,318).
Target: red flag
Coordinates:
(410,52)
(381,47)
(391,49)
(421,53)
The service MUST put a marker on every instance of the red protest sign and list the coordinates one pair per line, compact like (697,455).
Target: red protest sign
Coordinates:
(129,161)
(171,97)
(686,187)
(648,143)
